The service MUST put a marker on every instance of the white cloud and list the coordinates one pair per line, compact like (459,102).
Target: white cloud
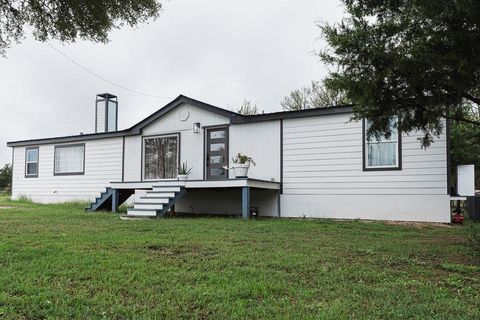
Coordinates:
(218,51)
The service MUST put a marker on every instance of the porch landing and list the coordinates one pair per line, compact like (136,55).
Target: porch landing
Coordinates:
(195,184)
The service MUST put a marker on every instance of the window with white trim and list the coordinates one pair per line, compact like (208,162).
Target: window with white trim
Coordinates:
(382,153)
(31,162)
(161,156)
(69,159)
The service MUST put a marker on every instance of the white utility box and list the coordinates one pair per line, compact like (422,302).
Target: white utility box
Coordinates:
(466,180)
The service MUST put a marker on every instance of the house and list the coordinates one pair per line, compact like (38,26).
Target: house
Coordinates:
(312,163)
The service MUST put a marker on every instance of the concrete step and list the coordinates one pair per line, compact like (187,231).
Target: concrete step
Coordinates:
(165,189)
(141,213)
(152,200)
(159,194)
(150,206)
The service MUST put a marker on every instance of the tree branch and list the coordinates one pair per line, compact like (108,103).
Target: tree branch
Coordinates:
(471,98)
(461,119)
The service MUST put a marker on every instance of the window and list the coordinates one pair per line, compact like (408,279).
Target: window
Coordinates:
(161,156)
(31,162)
(383,153)
(69,159)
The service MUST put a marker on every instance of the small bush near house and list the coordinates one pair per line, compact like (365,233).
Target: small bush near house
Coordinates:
(24,199)
(6,179)
(475,238)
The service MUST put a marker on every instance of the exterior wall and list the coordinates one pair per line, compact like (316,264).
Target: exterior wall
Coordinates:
(323,175)
(191,144)
(103,164)
(261,141)
(133,158)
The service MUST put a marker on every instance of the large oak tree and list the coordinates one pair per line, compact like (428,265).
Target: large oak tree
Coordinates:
(70,20)
(419,59)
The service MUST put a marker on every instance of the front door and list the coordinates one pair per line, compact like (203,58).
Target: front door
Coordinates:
(217,153)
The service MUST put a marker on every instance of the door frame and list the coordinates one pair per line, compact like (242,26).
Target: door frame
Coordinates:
(206,129)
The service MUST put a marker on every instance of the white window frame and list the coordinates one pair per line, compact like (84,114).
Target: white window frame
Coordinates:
(34,175)
(398,150)
(176,135)
(69,173)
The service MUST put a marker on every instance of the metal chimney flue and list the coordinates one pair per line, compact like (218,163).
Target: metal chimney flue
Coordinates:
(106,113)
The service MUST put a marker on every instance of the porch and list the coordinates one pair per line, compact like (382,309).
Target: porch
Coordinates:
(155,198)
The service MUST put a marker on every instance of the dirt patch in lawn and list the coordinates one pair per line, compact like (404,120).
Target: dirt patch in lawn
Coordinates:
(445,238)
(181,251)
(420,225)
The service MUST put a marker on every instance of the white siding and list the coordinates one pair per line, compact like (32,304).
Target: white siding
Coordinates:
(191,144)
(425,208)
(133,158)
(103,164)
(323,175)
(261,141)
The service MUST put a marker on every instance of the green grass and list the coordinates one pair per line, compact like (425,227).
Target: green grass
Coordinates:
(58,262)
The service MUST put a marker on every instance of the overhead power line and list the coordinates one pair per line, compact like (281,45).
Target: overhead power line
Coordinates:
(102,77)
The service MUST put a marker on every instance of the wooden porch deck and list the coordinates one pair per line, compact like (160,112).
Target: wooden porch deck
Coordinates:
(244,184)
(194,184)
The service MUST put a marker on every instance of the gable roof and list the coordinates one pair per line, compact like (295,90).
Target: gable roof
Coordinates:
(235,118)
(181,99)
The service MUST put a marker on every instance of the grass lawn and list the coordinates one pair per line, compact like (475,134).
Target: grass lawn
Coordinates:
(57,262)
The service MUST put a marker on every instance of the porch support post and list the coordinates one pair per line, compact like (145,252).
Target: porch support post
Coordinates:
(245,202)
(115,201)
(279,203)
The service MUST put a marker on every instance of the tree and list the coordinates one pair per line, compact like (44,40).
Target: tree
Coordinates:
(248,109)
(465,142)
(416,59)
(6,177)
(70,20)
(314,96)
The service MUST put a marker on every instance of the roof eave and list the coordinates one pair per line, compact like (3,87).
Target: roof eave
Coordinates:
(67,139)
(294,114)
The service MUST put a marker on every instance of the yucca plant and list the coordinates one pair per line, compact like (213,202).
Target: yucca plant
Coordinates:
(184,169)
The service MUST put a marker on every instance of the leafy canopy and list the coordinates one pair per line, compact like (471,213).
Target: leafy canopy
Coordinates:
(418,59)
(5,177)
(69,20)
(465,142)
(316,95)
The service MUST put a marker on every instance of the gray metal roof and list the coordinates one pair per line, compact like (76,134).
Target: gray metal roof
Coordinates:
(235,118)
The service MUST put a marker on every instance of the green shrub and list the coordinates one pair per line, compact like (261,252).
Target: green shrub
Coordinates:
(475,238)
(24,199)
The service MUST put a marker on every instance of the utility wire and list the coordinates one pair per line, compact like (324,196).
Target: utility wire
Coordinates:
(103,78)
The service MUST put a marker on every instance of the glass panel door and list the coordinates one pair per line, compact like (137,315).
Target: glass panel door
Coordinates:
(217,153)
(161,157)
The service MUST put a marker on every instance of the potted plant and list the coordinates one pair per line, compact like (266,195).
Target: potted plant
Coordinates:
(184,171)
(241,164)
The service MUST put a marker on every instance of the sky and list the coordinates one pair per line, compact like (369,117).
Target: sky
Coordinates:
(218,51)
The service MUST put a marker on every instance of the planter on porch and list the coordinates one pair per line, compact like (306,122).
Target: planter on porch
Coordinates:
(183,172)
(241,169)
(241,164)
